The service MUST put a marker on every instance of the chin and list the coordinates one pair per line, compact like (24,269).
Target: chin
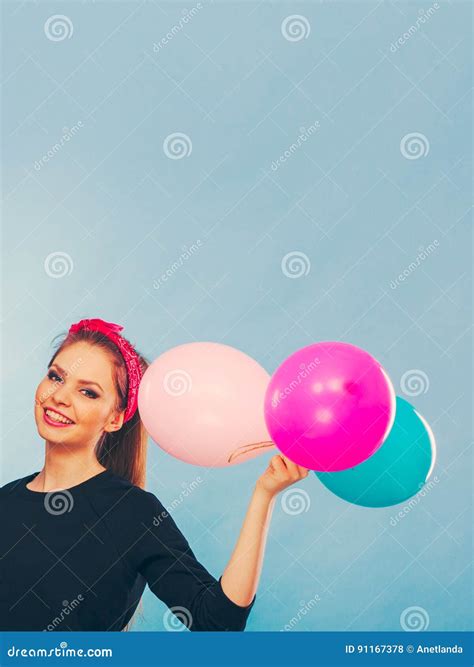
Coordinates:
(49,434)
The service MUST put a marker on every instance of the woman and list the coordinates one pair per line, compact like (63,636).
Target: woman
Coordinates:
(81,538)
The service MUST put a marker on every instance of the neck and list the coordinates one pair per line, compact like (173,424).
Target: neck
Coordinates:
(63,468)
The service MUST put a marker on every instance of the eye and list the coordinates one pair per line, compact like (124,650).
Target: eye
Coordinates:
(91,393)
(52,375)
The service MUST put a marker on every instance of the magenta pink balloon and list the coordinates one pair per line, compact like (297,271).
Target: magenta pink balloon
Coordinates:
(329,406)
(203,403)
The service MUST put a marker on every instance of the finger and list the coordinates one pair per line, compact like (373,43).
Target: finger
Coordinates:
(304,472)
(291,467)
(295,469)
(278,464)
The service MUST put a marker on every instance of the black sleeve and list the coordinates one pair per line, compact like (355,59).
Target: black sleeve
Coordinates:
(164,558)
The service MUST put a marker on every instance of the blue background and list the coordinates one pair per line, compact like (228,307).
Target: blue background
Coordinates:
(347,198)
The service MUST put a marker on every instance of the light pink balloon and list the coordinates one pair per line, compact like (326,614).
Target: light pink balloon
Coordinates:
(203,403)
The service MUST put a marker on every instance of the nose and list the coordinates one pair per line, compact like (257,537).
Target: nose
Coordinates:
(61,395)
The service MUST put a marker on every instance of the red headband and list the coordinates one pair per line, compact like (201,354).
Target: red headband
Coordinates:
(127,350)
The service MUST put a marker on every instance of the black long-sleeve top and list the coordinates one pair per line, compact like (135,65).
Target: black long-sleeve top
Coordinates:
(79,559)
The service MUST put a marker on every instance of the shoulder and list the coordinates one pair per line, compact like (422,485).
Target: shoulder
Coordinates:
(136,517)
(10,487)
(114,484)
(132,511)
(122,498)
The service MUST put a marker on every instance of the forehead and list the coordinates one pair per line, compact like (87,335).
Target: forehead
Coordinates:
(86,361)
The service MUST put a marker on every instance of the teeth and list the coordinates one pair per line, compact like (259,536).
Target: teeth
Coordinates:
(57,418)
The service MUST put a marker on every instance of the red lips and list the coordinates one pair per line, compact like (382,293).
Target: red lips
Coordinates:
(59,413)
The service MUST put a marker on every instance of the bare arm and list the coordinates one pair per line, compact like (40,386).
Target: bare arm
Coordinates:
(242,573)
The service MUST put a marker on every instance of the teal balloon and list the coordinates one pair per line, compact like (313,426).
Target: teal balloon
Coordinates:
(396,471)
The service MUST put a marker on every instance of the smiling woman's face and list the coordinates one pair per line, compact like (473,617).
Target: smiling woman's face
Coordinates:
(78,385)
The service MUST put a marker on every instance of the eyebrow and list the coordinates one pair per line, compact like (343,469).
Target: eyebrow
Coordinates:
(61,370)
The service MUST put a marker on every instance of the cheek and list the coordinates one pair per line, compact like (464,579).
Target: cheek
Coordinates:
(42,392)
(87,411)
(90,411)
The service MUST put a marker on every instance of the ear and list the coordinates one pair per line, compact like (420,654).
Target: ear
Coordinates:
(115,423)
